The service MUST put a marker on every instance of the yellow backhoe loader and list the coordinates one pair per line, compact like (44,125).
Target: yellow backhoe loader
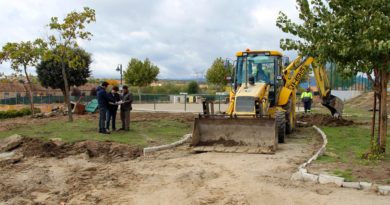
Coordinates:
(262,104)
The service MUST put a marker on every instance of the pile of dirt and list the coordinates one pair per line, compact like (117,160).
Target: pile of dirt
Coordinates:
(364,101)
(109,151)
(322,119)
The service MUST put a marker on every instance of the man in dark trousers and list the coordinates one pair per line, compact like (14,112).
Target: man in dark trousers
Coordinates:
(103,100)
(112,108)
(307,99)
(127,100)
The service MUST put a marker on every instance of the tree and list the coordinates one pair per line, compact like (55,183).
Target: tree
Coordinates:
(49,71)
(140,74)
(112,82)
(23,54)
(192,87)
(217,73)
(69,32)
(354,35)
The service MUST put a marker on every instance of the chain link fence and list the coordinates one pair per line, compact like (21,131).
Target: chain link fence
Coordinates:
(21,98)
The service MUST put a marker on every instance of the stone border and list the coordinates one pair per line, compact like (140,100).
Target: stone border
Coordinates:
(303,175)
(168,146)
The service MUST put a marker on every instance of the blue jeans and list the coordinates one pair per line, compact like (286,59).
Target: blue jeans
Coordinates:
(102,119)
(111,115)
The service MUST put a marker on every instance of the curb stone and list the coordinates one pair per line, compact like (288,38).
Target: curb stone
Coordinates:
(384,190)
(326,179)
(303,175)
(168,146)
(365,185)
(352,185)
(310,177)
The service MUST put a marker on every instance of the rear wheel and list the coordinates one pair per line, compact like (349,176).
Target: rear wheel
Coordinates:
(280,118)
(290,121)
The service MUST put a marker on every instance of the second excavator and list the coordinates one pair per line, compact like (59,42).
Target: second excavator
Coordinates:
(262,106)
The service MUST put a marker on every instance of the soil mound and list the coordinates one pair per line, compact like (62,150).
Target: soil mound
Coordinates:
(322,119)
(109,151)
(365,101)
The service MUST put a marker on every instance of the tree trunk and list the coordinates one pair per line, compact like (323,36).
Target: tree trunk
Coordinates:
(30,92)
(383,111)
(66,85)
(65,99)
(139,95)
(373,124)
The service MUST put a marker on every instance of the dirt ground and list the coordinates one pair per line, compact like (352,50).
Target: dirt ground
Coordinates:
(323,119)
(54,173)
(91,172)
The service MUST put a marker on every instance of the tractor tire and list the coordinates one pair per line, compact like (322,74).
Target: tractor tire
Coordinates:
(280,118)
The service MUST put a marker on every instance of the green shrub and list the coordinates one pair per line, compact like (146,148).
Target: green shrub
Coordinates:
(17,113)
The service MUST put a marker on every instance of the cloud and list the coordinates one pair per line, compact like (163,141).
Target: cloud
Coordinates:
(182,37)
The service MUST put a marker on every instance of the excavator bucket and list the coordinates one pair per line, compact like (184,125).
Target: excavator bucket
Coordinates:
(224,134)
(334,104)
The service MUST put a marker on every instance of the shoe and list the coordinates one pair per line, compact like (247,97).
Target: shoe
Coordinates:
(120,129)
(105,132)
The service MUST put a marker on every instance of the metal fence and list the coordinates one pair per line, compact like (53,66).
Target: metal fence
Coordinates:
(137,99)
(358,82)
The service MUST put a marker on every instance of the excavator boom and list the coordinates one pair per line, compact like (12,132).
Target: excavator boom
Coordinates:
(298,68)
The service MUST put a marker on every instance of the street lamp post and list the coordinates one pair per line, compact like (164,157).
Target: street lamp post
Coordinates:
(119,68)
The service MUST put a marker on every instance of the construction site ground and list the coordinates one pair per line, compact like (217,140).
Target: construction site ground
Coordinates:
(91,172)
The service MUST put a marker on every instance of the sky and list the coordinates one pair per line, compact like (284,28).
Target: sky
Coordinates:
(181,37)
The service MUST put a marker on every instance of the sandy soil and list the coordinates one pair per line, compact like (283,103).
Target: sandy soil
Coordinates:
(364,102)
(175,177)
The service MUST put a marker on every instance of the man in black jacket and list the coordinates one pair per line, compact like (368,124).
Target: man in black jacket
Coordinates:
(127,100)
(103,100)
(112,108)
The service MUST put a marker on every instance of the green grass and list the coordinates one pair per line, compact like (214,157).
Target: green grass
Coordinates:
(346,144)
(346,174)
(141,133)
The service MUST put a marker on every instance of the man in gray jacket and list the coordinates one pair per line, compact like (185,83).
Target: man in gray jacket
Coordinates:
(127,100)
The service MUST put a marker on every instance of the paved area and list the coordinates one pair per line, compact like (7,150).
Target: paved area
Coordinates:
(196,108)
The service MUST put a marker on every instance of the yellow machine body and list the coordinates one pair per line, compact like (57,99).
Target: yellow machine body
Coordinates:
(262,104)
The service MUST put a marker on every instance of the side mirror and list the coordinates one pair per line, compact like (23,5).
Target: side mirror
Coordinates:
(285,61)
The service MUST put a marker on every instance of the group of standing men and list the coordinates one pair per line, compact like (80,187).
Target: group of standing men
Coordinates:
(108,107)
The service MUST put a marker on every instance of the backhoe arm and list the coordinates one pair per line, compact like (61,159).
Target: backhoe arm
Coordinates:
(297,69)
(333,103)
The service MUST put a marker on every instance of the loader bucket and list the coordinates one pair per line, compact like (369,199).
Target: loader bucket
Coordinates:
(248,135)
(334,104)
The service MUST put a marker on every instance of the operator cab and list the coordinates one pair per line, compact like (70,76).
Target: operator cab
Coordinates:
(263,67)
